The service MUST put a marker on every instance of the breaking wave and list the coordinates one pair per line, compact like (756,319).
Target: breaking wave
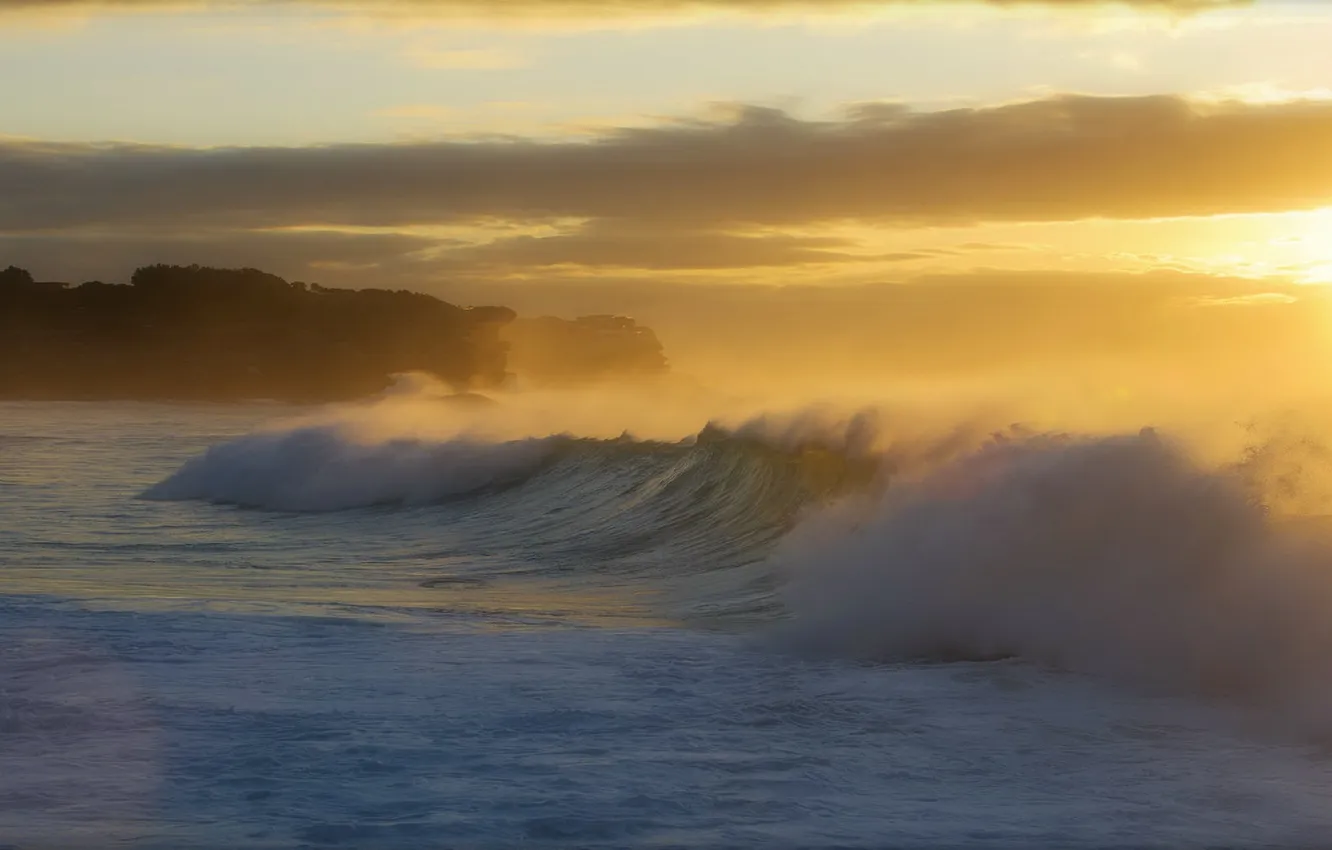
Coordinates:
(320,468)
(1121,556)
(699,514)
(1118,556)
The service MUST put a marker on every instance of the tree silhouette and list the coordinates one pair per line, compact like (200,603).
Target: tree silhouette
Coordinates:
(195,332)
(15,277)
(200,332)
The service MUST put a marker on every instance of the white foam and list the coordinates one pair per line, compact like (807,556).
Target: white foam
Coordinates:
(331,467)
(1114,555)
(415,444)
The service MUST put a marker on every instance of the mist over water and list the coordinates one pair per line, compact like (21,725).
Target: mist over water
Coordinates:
(1117,556)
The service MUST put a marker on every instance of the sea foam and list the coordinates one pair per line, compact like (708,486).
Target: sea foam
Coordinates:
(1118,556)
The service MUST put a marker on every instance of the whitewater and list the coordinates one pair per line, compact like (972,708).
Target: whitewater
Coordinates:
(580,621)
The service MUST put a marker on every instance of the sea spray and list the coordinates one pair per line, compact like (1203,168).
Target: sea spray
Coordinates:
(417,444)
(1118,556)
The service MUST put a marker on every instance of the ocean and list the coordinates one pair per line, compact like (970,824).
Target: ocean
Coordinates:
(263,626)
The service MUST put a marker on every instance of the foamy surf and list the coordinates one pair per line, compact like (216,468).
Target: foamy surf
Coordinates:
(1118,556)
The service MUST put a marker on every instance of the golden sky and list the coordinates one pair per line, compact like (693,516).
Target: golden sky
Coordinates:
(456,145)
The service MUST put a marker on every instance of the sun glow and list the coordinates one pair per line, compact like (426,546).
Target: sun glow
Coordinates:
(1312,244)
(1318,274)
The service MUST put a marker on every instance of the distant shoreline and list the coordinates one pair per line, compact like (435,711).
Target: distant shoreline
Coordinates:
(195,334)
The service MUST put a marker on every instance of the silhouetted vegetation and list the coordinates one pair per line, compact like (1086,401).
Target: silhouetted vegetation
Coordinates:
(204,333)
(192,332)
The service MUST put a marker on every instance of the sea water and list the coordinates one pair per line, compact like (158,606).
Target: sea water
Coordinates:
(217,631)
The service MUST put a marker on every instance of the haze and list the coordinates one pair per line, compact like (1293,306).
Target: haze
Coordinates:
(1131,197)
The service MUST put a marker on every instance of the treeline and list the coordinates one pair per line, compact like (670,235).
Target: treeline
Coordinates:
(192,332)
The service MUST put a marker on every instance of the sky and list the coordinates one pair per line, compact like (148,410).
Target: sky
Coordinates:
(618,151)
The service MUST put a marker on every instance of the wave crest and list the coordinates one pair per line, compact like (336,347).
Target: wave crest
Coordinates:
(326,468)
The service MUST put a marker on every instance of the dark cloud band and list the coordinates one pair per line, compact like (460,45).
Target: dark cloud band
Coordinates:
(1056,159)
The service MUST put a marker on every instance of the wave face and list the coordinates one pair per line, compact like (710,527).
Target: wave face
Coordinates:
(325,468)
(689,515)
(1114,555)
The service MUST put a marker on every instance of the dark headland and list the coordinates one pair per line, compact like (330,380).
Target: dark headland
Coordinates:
(207,334)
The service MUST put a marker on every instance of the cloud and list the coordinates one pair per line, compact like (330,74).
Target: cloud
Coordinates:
(606,248)
(299,255)
(578,8)
(994,246)
(463,59)
(422,111)
(1120,59)
(1257,298)
(409,260)
(1055,159)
